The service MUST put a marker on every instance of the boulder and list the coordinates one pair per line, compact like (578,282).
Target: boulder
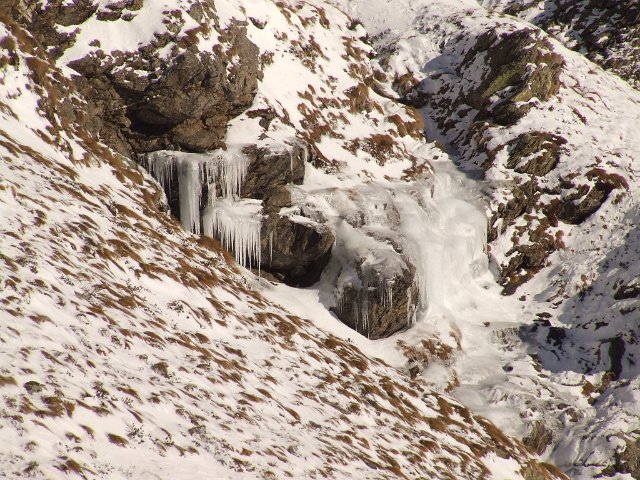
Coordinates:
(522,66)
(374,303)
(535,153)
(539,438)
(627,460)
(157,96)
(294,248)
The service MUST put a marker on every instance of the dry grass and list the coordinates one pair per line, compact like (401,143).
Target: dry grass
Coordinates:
(117,440)
(70,466)
(6,380)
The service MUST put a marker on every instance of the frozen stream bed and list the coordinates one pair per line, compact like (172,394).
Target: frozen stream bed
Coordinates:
(463,311)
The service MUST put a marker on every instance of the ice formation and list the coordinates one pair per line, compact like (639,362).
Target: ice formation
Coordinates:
(237,223)
(220,174)
(438,226)
(445,237)
(190,169)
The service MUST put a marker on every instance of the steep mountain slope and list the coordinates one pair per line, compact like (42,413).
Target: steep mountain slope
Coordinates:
(608,33)
(134,349)
(553,138)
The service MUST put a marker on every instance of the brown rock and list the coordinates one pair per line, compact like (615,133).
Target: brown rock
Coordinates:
(510,76)
(628,460)
(541,149)
(375,305)
(295,252)
(539,438)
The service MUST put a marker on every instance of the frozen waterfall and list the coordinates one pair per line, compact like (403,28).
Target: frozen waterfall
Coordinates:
(224,215)
(237,223)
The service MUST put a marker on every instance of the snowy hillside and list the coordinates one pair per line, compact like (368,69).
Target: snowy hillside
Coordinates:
(554,140)
(229,251)
(606,32)
(134,349)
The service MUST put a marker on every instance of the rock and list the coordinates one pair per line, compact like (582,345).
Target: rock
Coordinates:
(630,290)
(272,169)
(159,96)
(585,200)
(521,66)
(294,250)
(523,198)
(186,104)
(541,471)
(294,253)
(616,351)
(590,199)
(628,460)
(377,295)
(535,153)
(539,438)
(33,387)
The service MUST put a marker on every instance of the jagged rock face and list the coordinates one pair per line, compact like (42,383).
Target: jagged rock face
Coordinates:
(185,104)
(146,100)
(535,153)
(539,438)
(628,460)
(294,252)
(521,67)
(607,32)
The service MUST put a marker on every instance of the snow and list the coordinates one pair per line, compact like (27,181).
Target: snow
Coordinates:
(166,291)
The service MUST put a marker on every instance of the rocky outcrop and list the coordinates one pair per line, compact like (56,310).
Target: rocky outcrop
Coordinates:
(627,460)
(519,70)
(539,438)
(374,303)
(185,104)
(295,248)
(535,153)
(501,83)
(166,95)
(606,32)
(521,67)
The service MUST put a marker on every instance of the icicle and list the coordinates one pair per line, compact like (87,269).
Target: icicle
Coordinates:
(271,246)
(232,168)
(237,224)
(190,191)
(385,291)
(161,167)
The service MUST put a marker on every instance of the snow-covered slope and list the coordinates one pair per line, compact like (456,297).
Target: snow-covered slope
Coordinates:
(133,349)
(554,139)
(606,32)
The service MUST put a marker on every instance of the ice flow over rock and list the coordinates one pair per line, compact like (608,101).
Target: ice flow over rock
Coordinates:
(223,214)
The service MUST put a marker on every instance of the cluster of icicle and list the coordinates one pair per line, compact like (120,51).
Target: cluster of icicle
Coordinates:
(235,221)
(382,287)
